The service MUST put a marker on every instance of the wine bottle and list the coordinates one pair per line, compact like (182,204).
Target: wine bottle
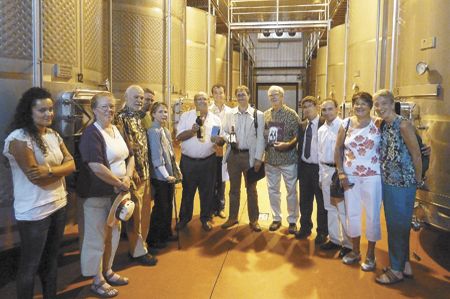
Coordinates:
(233,140)
(199,122)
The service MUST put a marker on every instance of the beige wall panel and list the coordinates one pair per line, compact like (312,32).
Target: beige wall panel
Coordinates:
(362,45)
(138,38)
(427,20)
(197,52)
(96,35)
(321,73)
(221,59)
(60,32)
(15,29)
(235,66)
(312,72)
(195,68)
(336,63)
(178,54)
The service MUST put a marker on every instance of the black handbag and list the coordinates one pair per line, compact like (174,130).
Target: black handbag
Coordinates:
(336,189)
(252,175)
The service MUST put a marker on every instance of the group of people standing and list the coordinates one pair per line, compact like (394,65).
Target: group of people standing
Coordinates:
(131,150)
(377,159)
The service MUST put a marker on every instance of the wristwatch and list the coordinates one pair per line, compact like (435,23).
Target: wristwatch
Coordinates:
(420,184)
(50,171)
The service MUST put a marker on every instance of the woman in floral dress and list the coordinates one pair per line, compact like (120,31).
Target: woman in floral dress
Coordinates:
(358,164)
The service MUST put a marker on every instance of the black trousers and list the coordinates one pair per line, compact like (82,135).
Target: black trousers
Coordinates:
(197,174)
(309,187)
(219,188)
(39,246)
(161,218)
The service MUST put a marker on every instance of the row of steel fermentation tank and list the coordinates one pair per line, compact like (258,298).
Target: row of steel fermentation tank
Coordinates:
(73,47)
(401,45)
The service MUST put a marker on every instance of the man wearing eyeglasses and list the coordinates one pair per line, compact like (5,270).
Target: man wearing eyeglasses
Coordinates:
(129,118)
(281,157)
(308,172)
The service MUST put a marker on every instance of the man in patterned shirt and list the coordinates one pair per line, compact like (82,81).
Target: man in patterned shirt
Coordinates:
(129,118)
(281,158)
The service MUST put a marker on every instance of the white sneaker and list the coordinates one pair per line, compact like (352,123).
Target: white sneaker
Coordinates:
(369,264)
(351,258)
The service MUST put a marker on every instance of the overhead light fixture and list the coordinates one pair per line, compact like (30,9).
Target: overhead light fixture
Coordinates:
(279,32)
(292,33)
(266,33)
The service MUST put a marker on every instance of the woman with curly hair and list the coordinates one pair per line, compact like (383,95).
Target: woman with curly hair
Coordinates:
(358,165)
(39,162)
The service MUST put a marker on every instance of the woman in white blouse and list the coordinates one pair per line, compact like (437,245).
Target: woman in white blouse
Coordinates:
(39,161)
(108,164)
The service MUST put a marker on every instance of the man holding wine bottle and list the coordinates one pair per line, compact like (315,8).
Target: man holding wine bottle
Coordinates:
(198,161)
(244,131)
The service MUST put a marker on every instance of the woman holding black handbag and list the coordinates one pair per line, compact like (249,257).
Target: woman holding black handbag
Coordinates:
(358,164)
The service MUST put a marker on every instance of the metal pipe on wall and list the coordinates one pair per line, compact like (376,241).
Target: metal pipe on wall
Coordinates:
(347,28)
(326,57)
(37,43)
(110,46)
(241,58)
(393,44)
(81,42)
(229,58)
(377,47)
(208,51)
(169,63)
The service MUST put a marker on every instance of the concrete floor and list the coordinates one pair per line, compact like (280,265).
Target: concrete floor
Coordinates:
(239,263)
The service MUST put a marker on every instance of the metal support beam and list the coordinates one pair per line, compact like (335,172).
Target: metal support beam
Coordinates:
(37,43)
(394,45)
(347,29)
(377,47)
(169,57)
(208,49)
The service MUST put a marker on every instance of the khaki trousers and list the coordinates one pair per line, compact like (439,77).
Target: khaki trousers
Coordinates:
(238,164)
(138,225)
(98,242)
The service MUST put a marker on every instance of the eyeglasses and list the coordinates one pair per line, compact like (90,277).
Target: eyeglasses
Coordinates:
(107,107)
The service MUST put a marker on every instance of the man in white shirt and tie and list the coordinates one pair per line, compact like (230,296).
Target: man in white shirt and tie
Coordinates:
(327,135)
(308,173)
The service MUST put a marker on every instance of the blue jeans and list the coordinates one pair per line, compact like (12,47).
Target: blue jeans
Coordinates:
(398,208)
(39,245)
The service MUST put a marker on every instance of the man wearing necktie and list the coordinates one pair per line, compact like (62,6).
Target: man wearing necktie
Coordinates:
(308,173)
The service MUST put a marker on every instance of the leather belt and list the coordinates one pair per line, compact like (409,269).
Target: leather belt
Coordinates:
(329,164)
(198,159)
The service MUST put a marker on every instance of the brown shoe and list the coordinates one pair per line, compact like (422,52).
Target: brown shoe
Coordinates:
(255,226)
(229,223)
